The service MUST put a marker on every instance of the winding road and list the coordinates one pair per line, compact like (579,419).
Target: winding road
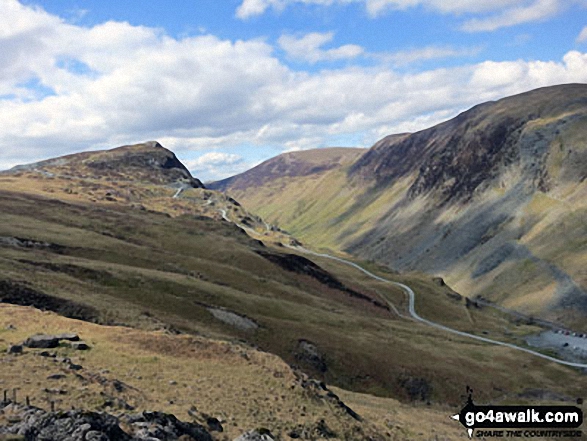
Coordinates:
(412,309)
(414,315)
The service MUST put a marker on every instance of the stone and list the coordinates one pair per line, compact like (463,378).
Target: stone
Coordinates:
(42,341)
(80,346)
(14,349)
(256,435)
(56,377)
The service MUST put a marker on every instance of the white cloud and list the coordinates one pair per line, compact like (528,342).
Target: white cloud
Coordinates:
(536,11)
(217,165)
(213,159)
(582,37)
(491,14)
(309,48)
(251,8)
(205,94)
(404,58)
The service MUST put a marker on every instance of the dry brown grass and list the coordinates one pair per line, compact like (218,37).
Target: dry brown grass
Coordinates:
(242,387)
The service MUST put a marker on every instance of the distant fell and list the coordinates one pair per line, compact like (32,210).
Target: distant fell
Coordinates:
(303,163)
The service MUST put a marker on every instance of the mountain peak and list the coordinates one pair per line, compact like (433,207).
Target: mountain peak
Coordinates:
(145,162)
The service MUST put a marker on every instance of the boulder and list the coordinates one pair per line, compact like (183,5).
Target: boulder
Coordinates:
(42,341)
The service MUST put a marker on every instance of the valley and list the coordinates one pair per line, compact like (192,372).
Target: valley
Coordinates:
(322,292)
(493,201)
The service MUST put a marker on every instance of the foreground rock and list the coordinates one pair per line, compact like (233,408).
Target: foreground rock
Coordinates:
(35,424)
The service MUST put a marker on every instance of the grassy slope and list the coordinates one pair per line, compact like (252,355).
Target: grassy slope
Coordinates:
(189,377)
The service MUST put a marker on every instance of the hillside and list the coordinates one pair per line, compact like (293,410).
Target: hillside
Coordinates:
(163,269)
(493,200)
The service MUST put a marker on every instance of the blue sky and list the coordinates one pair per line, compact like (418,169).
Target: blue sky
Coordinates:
(226,84)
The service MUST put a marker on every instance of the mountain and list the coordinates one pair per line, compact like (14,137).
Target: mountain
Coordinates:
(192,305)
(494,201)
(309,163)
(147,162)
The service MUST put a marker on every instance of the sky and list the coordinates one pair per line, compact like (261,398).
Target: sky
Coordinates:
(226,84)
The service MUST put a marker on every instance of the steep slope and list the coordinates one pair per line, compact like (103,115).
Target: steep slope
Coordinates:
(494,200)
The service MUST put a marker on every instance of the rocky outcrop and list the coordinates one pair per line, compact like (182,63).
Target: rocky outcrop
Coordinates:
(35,424)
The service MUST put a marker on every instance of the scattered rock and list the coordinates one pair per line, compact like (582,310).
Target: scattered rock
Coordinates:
(80,346)
(56,377)
(256,435)
(319,391)
(233,319)
(15,349)
(47,354)
(55,391)
(164,427)
(307,353)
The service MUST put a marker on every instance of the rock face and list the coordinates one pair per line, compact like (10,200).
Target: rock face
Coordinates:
(149,161)
(37,424)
